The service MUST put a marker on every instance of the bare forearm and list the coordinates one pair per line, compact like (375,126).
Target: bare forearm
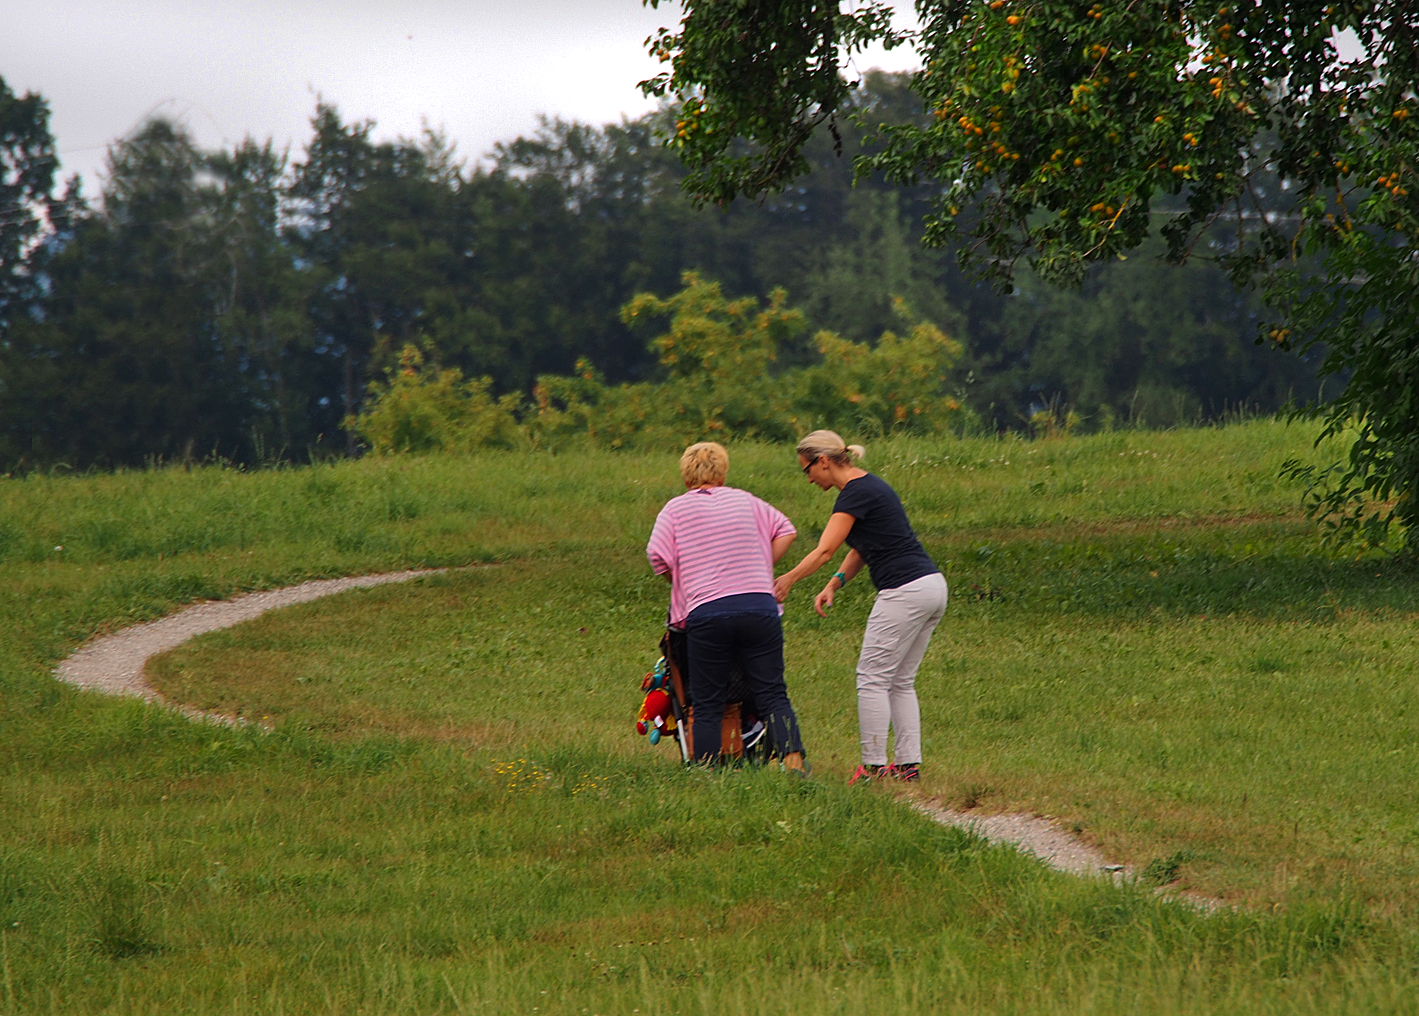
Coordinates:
(812,561)
(852,564)
(834,535)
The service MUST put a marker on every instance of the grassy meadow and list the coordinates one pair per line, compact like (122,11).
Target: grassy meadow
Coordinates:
(446,809)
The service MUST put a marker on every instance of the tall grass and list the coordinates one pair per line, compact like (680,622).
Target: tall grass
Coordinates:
(440,507)
(451,813)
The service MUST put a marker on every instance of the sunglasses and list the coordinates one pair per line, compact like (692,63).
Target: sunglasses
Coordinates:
(810,466)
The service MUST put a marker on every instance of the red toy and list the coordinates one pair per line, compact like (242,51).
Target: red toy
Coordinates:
(655,715)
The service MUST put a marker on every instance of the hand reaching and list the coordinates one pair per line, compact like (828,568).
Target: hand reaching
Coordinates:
(782,585)
(824,600)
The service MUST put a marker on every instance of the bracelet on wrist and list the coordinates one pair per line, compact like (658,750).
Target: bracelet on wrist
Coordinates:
(842,579)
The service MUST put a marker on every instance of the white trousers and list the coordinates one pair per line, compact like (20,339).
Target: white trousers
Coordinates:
(898,632)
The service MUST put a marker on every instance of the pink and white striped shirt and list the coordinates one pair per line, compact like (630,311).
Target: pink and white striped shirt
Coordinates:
(714,542)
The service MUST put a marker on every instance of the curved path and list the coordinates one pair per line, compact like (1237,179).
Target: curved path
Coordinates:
(113,665)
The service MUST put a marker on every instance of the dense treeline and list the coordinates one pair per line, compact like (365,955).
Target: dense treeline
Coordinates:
(240,302)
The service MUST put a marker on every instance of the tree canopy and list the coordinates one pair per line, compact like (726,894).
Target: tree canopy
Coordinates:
(27,203)
(1278,138)
(240,302)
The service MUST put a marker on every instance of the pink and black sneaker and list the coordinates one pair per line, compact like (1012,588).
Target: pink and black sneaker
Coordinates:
(866,774)
(908,773)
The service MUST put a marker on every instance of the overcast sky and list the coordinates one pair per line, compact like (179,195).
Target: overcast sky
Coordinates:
(480,69)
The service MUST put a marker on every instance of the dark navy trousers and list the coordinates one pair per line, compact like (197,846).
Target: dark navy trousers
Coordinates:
(754,641)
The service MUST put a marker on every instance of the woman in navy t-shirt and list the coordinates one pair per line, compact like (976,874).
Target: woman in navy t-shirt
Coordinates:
(911,598)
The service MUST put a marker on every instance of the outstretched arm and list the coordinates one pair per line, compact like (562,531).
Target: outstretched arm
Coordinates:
(839,525)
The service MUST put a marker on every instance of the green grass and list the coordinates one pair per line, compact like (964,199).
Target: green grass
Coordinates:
(452,813)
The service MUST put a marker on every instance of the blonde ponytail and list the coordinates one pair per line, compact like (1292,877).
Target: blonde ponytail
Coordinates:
(827,444)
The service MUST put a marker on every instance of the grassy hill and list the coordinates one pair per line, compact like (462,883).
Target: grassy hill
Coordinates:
(451,812)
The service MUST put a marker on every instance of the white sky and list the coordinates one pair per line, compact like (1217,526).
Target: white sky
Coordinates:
(480,69)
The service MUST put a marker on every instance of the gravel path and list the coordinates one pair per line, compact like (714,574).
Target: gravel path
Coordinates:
(1039,836)
(113,664)
(1056,847)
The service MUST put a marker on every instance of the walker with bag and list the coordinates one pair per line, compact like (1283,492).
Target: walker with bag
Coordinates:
(668,711)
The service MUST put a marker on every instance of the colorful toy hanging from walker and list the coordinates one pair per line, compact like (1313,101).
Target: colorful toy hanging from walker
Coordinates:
(666,710)
(657,717)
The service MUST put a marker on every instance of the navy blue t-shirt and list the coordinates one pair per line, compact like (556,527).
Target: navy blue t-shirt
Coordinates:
(882,534)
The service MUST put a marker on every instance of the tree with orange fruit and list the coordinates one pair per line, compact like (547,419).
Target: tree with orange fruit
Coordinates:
(1065,133)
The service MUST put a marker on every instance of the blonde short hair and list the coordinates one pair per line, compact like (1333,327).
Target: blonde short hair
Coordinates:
(704,464)
(827,444)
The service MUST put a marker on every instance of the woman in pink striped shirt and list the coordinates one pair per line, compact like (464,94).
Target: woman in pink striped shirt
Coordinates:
(717,546)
